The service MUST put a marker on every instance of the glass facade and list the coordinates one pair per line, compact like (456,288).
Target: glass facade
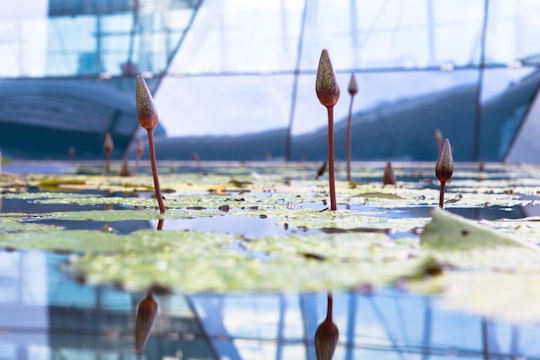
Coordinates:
(67,71)
(421,65)
(230,69)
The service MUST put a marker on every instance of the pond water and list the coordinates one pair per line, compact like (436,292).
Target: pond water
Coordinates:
(45,314)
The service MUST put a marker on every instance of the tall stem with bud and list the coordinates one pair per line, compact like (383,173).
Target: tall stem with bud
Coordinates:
(353,89)
(327,90)
(444,168)
(148,119)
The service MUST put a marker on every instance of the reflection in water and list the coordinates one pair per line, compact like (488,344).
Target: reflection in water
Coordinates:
(160,224)
(327,335)
(146,314)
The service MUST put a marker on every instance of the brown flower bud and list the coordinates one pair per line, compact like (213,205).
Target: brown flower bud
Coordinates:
(146,314)
(326,339)
(146,109)
(445,163)
(108,145)
(353,86)
(326,85)
(389,178)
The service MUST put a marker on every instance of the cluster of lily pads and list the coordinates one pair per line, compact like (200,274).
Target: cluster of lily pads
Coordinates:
(373,238)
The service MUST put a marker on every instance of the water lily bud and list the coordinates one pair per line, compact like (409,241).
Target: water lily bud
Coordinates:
(326,85)
(389,178)
(146,314)
(146,109)
(124,169)
(108,145)
(326,339)
(353,86)
(445,163)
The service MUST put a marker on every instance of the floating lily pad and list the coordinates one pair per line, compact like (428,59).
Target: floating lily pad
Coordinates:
(198,262)
(64,241)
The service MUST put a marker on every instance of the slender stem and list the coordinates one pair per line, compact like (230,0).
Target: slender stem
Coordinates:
(329,307)
(160,224)
(331,178)
(441,195)
(108,163)
(348,140)
(154,170)
(137,160)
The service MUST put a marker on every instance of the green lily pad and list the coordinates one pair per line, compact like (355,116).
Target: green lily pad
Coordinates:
(125,215)
(451,232)
(63,241)
(193,262)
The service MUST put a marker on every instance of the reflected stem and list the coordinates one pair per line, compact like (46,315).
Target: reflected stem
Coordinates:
(331,176)
(329,308)
(153,162)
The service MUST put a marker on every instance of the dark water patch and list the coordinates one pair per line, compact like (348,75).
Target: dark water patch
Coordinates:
(29,206)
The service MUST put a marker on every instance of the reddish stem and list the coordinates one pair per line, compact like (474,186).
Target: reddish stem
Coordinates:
(441,195)
(331,178)
(153,162)
(329,307)
(108,163)
(348,140)
(137,160)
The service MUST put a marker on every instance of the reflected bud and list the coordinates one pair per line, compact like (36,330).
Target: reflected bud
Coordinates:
(445,163)
(326,85)
(353,86)
(327,334)
(146,314)
(108,145)
(326,339)
(146,109)
(389,178)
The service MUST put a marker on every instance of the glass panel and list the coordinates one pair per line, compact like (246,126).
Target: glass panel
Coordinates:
(507,95)
(398,108)
(393,34)
(91,38)
(512,32)
(242,36)
(224,105)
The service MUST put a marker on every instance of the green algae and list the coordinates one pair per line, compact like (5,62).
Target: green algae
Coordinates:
(193,262)
(459,260)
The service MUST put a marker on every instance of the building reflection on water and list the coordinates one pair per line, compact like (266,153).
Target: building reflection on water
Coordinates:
(44,315)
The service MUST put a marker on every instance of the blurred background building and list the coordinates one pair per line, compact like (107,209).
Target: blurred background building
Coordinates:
(234,79)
